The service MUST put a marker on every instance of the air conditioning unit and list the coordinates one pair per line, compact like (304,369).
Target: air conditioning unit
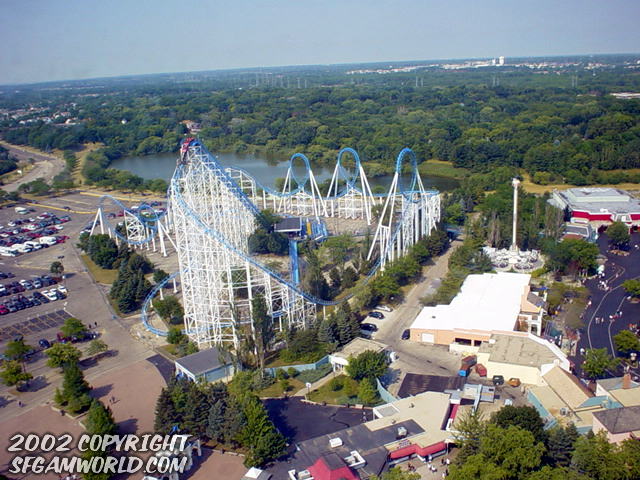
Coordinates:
(335,442)
(402,432)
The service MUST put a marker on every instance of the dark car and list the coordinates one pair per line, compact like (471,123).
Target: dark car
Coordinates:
(377,315)
(498,380)
(369,327)
(406,334)
(44,343)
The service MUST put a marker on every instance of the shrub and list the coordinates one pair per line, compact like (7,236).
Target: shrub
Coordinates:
(314,375)
(292,372)
(281,374)
(336,383)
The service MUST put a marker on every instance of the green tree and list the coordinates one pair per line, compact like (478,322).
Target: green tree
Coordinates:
(367,392)
(73,329)
(262,326)
(368,364)
(159,275)
(525,417)
(75,390)
(598,458)
(169,309)
(632,287)
(167,415)
(56,269)
(175,336)
(560,445)
(99,420)
(597,361)
(17,350)
(13,373)
(338,248)
(504,453)
(259,434)
(618,233)
(470,428)
(626,341)
(62,355)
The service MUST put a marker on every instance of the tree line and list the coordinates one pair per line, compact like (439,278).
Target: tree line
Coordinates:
(579,135)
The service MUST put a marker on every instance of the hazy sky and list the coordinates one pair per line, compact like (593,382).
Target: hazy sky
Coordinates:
(43,40)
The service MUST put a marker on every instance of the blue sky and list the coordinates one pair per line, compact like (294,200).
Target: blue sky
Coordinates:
(42,40)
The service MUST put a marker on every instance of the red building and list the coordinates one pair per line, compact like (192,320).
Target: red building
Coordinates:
(598,206)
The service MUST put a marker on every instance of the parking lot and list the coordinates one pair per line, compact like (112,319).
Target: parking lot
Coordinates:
(30,305)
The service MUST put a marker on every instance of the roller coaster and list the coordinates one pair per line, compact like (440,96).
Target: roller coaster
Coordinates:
(211,213)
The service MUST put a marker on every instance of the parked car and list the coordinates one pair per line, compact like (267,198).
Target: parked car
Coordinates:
(384,308)
(406,334)
(377,315)
(50,294)
(44,343)
(63,289)
(369,327)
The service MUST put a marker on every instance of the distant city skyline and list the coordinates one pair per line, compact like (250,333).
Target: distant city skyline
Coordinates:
(44,41)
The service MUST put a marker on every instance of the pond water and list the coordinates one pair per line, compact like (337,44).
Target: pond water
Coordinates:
(263,169)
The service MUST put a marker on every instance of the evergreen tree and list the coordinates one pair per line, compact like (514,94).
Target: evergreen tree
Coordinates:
(126,300)
(560,445)
(195,414)
(262,326)
(75,389)
(99,420)
(327,335)
(259,434)
(166,413)
(367,392)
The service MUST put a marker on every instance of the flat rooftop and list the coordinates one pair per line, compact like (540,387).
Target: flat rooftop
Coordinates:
(519,350)
(357,346)
(487,302)
(597,200)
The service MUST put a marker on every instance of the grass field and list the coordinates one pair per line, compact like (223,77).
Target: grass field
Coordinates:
(102,276)
(438,168)
(541,189)
(275,390)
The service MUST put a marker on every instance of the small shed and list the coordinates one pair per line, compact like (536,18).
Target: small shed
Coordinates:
(205,364)
(291,225)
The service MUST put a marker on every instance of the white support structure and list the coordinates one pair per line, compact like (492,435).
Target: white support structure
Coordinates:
(407,215)
(213,219)
(345,198)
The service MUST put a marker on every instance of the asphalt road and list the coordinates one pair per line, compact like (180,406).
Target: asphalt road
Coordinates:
(45,166)
(604,303)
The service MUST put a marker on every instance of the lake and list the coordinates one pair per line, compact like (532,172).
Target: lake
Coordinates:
(264,170)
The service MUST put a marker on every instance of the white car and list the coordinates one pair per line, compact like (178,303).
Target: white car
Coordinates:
(63,289)
(58,227)
(50,294)
(384,308)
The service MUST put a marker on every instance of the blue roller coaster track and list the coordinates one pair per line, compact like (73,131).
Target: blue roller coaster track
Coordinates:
(148,217)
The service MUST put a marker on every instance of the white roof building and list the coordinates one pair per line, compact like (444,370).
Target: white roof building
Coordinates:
(488,303)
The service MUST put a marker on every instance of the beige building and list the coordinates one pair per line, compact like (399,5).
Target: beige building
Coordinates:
(565,399)
(355,347)
(491,303)
(521,355)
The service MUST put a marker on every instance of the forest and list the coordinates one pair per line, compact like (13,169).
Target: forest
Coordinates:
(558,125)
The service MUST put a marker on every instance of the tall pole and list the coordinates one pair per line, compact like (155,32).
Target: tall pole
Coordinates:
(515,183)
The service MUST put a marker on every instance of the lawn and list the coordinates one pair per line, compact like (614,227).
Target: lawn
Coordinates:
(102,276)
(326,393)
(275,390)
(438,168)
